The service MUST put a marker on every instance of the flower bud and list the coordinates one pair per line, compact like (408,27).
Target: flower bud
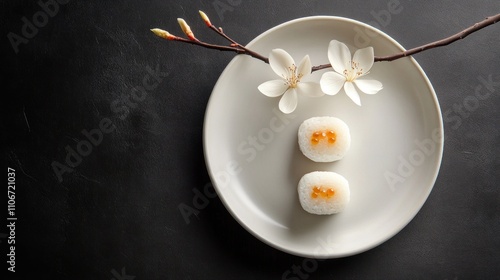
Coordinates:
(186,29)
(205,18)
(163,34)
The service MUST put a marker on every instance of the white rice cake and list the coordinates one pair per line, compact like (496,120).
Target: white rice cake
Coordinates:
(323,193)
(324,139)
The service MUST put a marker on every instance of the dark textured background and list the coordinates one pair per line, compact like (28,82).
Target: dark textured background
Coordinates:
(116,215)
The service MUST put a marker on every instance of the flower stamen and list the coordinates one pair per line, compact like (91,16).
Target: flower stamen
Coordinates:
(293,78)
(354,72)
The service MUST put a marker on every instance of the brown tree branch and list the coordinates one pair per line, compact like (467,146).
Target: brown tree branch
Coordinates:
(240,49)
(443,42)
(238,45)
(210,46)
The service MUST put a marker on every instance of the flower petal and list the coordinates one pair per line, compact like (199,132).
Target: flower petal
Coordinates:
(273,88)
(350,90)
(331,82)
(305,66)
(339,56)
(310,89)
(368,86)
(288,102)
(280,62)
(364,58)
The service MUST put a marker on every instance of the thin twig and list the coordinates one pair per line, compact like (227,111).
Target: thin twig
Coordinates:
(233,42)
(240,49)
(443,42)
(321,67)
(210,46)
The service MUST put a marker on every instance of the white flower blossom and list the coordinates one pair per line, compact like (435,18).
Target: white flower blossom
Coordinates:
(348,71)
(290,85)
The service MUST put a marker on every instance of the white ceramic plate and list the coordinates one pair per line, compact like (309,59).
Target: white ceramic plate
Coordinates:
(255,164)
